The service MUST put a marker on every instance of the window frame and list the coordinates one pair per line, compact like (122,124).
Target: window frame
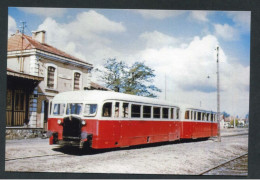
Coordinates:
(80,79)
(55,76)
(136,104)
(163,112)
(111,110)
(122,109)
(143,106)
(160,115)
(91,115)
(53,106)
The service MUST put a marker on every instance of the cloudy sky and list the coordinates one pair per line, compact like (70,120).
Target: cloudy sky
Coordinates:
(178,45)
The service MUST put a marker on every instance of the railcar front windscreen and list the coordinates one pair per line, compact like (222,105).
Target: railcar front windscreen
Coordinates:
(90,109)
(58,109)
(74,108)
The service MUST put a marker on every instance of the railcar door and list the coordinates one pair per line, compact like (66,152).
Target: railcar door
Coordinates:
(117,123)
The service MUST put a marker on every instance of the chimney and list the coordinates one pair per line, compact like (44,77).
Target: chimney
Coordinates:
(39,36)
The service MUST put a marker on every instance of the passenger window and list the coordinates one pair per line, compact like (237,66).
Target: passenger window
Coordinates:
(207,116)
(211,117)
(58,109)
(195,115)
(107,109)
(125,110)
(117,109)
(146,111)
(203,116)
(136,110)
(90,109)
(166,113)
(187,115)
(177,113)
(199,116)
(191,115)
(172,113)
(156,112)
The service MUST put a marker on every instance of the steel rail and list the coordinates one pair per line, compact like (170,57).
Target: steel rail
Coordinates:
(222,164)
(29,157)
(231,135)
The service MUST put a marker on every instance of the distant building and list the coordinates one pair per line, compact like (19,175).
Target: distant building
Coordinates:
(36,72)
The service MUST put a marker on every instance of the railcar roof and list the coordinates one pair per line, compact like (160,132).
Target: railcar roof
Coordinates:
(100,96)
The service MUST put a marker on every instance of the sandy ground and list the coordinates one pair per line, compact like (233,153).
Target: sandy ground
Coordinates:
(190,157)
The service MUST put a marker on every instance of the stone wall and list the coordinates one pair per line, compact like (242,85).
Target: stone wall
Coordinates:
(23,133)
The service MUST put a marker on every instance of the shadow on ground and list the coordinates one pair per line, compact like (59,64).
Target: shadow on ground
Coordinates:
(72,150)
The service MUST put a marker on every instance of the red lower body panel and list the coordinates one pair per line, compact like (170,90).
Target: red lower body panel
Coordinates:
(129,133)
(193,130)
(122,133)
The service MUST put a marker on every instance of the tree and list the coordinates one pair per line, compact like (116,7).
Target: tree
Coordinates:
(112,76)
(139,80)
(225,114)
(135,79)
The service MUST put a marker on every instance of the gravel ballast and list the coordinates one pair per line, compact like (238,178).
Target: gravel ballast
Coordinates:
(185,157)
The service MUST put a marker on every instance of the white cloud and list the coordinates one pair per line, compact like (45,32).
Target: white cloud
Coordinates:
(45,12)
(94,22)
(199,15)
(226,32)
(185,63)
(85,37)
(160,14)
(187,68)
(12,27)
(156,39)
(242,19)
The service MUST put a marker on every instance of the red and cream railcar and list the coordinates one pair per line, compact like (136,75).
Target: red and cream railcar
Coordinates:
(105,119)
(198,123)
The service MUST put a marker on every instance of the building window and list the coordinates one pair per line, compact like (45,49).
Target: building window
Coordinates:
(9,99)
(50,77)
(19,100)
(76,81)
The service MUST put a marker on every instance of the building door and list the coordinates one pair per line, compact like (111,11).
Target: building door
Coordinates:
(16,111)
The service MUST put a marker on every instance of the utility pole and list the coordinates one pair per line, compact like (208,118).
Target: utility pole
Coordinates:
(218,96)
(165,86)
(22,58)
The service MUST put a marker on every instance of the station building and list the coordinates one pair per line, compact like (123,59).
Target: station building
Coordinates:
(36,72)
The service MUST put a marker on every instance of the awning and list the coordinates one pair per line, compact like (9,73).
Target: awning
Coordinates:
(11,72)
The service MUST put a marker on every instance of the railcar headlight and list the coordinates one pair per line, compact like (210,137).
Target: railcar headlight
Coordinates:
(83,122)
(59,121)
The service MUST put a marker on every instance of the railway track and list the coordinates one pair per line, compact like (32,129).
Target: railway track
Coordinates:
(232,135)
(59,154)
(223,164)
(30,157)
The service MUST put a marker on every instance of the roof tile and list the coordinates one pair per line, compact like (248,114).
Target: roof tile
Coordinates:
(16,41)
